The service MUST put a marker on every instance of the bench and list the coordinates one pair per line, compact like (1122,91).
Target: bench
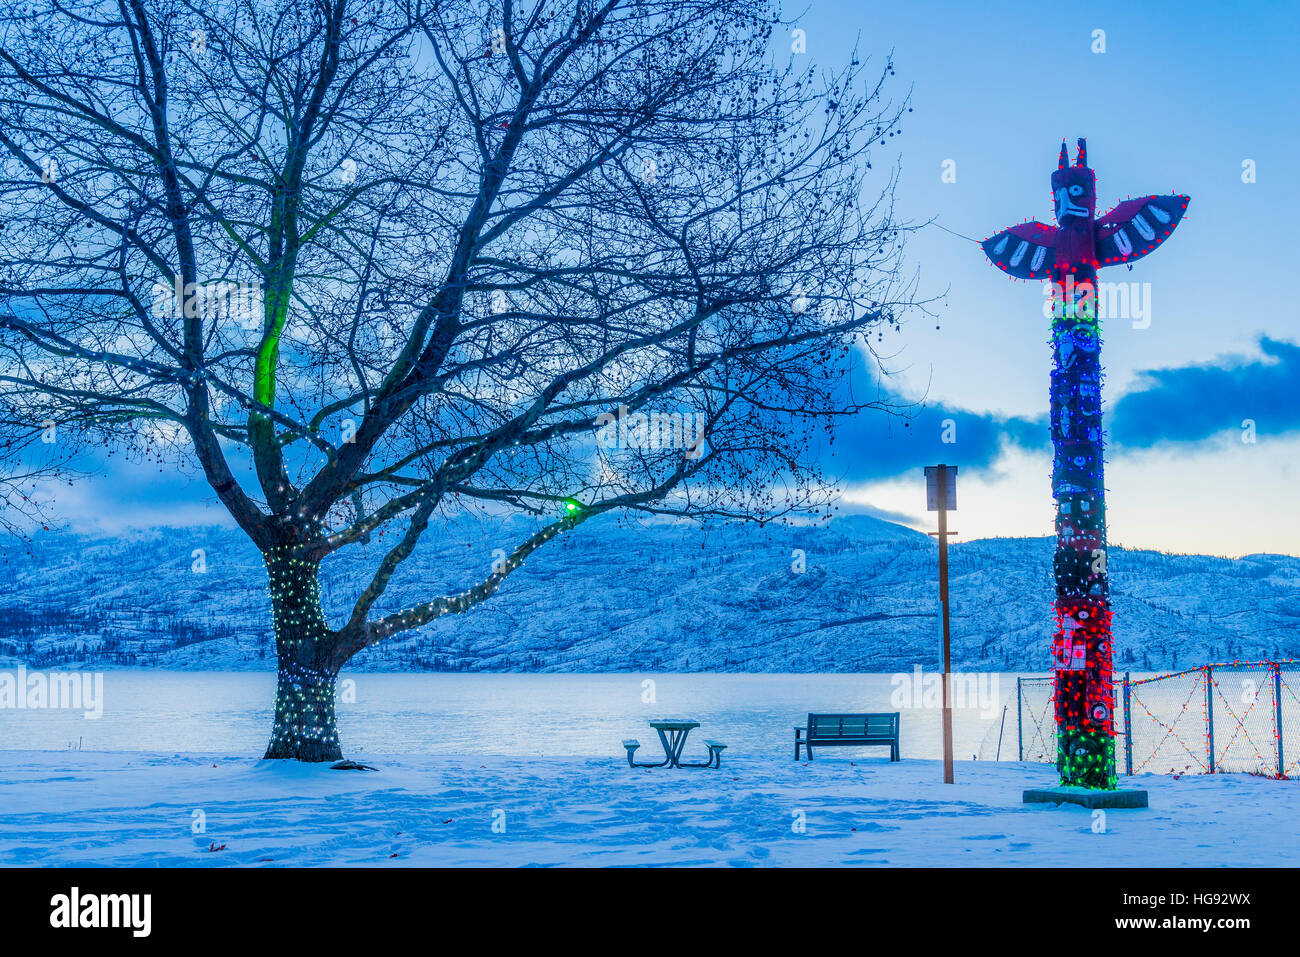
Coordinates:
(844,730)
(715,755)
(715,752)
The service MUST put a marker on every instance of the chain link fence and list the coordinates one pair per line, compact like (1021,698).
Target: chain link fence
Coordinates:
(1036,718)
(1240,716)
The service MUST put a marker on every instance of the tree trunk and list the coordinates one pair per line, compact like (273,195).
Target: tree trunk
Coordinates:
(304,727)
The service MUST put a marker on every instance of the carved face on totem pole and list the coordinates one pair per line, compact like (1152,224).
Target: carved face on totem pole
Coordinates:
(1074,189)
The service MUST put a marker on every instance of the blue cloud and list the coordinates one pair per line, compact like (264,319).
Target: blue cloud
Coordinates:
(875,445)
(1192,403)
(1177,406)
(1183,405)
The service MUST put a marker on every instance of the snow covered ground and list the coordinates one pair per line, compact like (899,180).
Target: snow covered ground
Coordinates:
(117,808)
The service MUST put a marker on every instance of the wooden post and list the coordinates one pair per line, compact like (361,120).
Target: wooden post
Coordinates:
(947,648)
(937,500)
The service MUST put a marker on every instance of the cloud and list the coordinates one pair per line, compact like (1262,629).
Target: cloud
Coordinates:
(1179,406)
(850,506)
(876,445)
(117,493)
(1192,403)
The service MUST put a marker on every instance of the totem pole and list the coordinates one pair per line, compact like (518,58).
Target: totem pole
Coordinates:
(1069,255)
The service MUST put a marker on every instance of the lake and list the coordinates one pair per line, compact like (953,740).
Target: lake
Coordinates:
(519,714)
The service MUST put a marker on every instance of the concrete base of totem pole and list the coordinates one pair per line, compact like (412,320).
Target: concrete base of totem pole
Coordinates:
(1088,797)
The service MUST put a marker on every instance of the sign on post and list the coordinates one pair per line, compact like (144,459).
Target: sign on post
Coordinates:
(932,487)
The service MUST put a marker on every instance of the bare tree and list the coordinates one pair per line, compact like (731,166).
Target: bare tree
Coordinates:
(29,462)
(409,256)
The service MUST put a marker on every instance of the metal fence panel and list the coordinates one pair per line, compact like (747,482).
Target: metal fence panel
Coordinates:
(1242,700)
(1167,722)
(1038,720)
(1241,717)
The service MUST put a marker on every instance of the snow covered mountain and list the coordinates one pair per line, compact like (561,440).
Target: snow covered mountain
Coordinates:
(856,595)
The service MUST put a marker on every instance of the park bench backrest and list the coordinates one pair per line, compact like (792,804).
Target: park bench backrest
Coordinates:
(852,725)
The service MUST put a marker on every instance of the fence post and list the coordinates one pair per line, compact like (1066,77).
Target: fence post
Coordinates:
(1020,727)
(1277,715)
(998,756)
(1209,712)
(1128,728)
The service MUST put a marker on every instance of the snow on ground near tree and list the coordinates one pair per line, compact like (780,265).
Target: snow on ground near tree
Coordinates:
(117,809)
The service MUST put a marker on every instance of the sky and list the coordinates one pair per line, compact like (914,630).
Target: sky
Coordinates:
(1173,98)
(1182,97)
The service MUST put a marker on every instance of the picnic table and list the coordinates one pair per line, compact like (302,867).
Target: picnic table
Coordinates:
(672,735)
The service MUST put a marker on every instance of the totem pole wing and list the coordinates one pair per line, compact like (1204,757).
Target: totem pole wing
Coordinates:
(1026,251)
(1136,226)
